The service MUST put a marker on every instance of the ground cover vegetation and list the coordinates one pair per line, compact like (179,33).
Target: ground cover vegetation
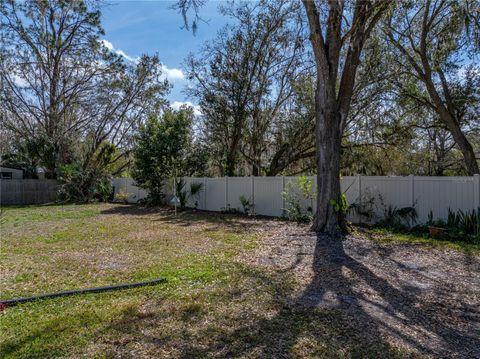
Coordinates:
(236,286)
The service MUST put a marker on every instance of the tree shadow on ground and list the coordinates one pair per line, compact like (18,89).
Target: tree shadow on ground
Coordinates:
(188,217)
(333,318)
(135,210)
(393,310)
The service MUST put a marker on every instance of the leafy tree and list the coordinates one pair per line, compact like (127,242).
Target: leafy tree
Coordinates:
(244,80)
(59,82)
(161,150)
(430,40)
(85,183)
(30,154)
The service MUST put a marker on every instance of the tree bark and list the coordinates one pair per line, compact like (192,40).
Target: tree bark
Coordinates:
(465,147)
(328,146)
(332,105)
(230,165)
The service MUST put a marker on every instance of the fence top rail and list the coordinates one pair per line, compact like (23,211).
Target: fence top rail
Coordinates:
(29,181)
(440,178)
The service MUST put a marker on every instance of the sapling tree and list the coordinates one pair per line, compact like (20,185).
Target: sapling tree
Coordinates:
(161,151)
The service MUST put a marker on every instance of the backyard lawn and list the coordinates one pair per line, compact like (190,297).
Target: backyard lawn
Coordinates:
(235,287)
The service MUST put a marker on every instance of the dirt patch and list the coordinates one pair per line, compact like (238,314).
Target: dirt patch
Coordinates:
(420,298)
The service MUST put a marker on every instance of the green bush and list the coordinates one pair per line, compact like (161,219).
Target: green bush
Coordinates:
(181,193)
(300,188)
(160,152)
(80,185)
(195,189)
(460,226)
(246,205)
(398,219)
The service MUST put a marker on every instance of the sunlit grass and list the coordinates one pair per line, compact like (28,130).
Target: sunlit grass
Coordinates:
(211,305)
(386,235)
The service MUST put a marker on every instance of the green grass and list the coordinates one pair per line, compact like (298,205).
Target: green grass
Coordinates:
(18,215)
(386,235)
(211,304)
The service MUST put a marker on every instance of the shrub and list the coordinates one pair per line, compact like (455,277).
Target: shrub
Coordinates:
(181,194)
(86,180)
(122,196)
(398,218)
(460,226)
(246,205)
(160,151)
(195,189)
(80,185)
(300,188)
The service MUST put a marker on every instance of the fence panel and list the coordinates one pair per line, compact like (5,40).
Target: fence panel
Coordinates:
(268,195)
(435,194)
(239,186)
(11,192)
(386,191)
(216,194)
(438,194)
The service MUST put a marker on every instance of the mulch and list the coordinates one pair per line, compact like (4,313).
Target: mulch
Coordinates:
(416,297)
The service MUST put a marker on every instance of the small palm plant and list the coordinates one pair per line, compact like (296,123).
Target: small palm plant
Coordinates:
(181,193)
(247,206)
(195,189)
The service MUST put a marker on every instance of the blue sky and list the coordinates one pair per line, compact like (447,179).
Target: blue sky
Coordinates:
(139,27)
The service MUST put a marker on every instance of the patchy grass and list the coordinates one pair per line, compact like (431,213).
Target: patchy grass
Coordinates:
(212,305)
(386,235)
(18,215)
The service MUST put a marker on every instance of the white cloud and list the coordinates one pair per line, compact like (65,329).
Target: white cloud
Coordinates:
(172,74)
(107,44)
(122,53)
(19,81)
(129,58)
(177,104)
(168,73)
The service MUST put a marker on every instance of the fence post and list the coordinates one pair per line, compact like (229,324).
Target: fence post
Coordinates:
(205,193)
(283,197)
(359,180)
(252,189)
(476,191)
(23,192)
(226,192)
(412,190)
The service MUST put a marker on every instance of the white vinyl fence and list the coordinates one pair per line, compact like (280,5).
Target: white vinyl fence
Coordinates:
(426,194)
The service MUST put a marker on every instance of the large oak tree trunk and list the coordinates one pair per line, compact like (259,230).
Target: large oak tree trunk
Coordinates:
(328,144)
(230,164)
(333,97)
